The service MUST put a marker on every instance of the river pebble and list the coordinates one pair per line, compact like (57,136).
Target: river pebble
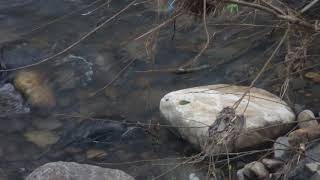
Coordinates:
(33,85)
(41,138)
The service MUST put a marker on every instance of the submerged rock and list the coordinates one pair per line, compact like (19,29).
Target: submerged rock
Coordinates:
(71,171)
(95,154)
(11,102)
(72,72)
(41,138)
(32,84)
(89,131)
(265,115)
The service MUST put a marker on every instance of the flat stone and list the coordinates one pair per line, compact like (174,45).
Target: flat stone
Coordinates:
(74,171)
(41,138)
(199,107)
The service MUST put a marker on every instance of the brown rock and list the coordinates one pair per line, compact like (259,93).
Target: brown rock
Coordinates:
(32,84)
(304,135)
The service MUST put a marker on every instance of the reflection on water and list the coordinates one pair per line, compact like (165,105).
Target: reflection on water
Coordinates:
(126,111)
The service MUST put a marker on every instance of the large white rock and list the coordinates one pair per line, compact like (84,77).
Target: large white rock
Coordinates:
(266,115)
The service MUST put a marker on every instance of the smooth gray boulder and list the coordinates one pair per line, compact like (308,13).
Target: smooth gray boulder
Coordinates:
(307,119)
(74,171)
(193,110)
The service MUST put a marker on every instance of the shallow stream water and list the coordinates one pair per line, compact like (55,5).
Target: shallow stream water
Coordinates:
(89,81)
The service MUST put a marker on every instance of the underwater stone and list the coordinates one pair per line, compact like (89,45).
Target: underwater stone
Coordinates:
(32,84)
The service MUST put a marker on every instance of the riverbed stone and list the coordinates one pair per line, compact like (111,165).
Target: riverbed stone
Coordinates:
(70,171)
(272,164)
(281,148)
(46,124)
(307,119)
(266,115)
(41,138)
(34,87)
(256,168)
(96,154)
(73,71)
(11,101)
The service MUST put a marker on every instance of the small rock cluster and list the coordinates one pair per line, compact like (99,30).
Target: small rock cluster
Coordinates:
(259,170)
(201,107)
(283,154)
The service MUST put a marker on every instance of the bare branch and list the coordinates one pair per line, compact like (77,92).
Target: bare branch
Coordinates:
(307,7)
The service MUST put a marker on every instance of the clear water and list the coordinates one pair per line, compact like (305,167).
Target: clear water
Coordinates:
(132,96)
